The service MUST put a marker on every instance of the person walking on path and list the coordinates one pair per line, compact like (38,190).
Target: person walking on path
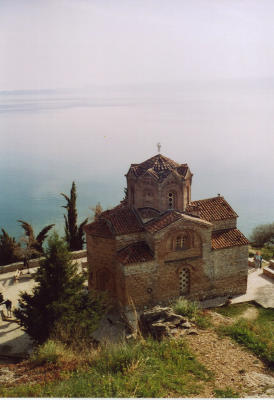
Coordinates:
(260,260)
(8,305)
(257,260)
(26,264)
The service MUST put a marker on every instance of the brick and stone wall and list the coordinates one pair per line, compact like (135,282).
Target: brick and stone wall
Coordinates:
(101,254)
(230,270)
(147,192)
(125,240)
(224,224)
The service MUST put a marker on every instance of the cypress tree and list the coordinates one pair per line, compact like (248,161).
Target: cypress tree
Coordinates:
(58,298)
(74,235)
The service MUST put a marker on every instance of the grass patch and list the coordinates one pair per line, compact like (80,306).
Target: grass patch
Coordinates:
(256,335)
(48,353)
(140,369)
(233,310)
(186,308)
(226,393)
(190,309)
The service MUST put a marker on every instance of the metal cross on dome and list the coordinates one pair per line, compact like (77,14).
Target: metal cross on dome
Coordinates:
(159,147)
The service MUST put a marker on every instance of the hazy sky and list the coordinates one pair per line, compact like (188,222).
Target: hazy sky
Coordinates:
(72,43)
(102,81)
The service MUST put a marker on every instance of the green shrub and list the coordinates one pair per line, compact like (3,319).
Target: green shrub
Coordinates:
(186,308)
(203,321)
(47,353)
(190,309)
(267,252)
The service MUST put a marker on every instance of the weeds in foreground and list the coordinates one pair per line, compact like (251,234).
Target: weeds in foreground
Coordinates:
(186,308)
(226,393)
(190,309)
(140,369)
(257,336)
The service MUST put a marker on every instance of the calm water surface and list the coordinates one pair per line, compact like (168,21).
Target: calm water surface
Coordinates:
(48,139)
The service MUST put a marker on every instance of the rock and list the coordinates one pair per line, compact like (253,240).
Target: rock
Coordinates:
(186,325)
(175,319)
(192,332)
(155,314)
(159,329)
(162,321)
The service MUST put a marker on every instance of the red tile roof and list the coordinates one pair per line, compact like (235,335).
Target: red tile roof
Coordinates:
(124,221)
(148,212)
(228,238)
(118,221)
(158,166)
(135,253)
(214,209)
(98,228)
(161,222)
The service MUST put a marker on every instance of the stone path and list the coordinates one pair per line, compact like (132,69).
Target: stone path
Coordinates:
(260,288)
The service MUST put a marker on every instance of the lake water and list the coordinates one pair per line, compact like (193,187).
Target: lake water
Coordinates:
(50,138)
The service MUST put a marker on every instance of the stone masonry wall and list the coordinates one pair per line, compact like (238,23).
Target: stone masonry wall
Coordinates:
(224,224)
(101,254)
(230,270)
(212,272)
(124,240)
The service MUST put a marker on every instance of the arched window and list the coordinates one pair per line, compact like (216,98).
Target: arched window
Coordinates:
(171,199)
(182,241)
(184,277)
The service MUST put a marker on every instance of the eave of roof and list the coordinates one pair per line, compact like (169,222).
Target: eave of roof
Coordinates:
(169,217)
(99,228)
(134,253)
(228,238)
(214,209)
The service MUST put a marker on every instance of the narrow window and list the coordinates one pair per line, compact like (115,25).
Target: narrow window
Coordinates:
(182,242)
(171,200)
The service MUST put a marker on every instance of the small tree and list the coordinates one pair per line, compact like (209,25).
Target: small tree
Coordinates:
(97,211)
(33,245)
(58,296)
(74,235)
(8,249)
(262,235)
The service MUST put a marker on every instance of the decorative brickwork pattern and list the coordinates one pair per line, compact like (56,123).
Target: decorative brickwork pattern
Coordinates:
(158,166)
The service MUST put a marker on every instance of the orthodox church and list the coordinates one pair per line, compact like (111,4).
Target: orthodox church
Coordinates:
(158,244)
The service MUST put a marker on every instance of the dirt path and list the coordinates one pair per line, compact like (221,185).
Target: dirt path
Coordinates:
(231,365)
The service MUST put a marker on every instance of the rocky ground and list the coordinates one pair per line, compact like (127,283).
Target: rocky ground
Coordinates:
(231,365)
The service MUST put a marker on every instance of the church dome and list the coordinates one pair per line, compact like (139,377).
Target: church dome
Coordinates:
(157,166)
